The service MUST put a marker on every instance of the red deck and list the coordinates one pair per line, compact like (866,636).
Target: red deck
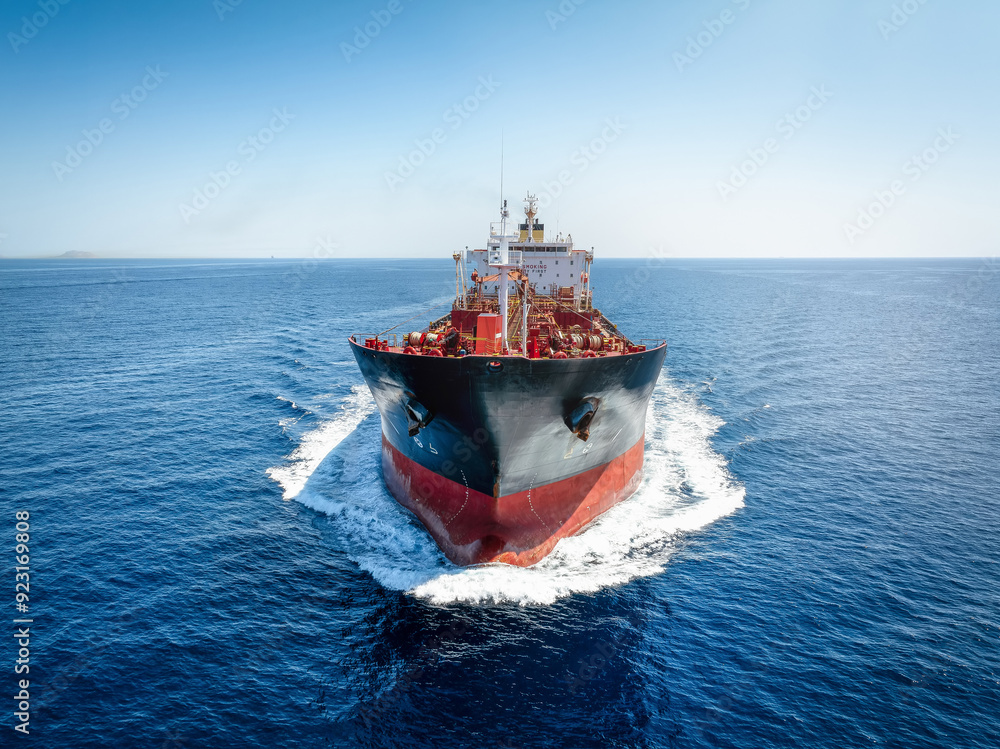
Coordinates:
(552,332)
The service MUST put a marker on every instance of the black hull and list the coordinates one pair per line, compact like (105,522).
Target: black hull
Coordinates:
(502,432)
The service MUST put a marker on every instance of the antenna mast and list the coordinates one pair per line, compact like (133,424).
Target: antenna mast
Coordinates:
(501,166)
(504,260)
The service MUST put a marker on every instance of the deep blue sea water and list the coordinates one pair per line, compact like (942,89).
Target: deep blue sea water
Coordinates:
(813,559)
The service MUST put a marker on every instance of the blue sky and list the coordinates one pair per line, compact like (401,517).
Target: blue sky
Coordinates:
(730,128)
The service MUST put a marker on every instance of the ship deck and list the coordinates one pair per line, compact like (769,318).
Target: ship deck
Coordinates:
(552,328)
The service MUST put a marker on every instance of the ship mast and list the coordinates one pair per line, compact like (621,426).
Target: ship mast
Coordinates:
(500,258)
(530,210)
(503,258)
(459,279)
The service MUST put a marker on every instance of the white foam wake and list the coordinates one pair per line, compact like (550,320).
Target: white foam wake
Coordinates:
(317,444)
(686,486)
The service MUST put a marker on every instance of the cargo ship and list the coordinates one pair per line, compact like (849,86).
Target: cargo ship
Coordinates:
(518,417)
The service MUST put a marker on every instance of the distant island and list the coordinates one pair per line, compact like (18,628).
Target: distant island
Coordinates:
(75,254)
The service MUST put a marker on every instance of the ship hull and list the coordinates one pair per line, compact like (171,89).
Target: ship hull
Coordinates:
(487,458)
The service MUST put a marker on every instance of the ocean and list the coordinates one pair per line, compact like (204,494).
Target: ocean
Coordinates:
(812,559)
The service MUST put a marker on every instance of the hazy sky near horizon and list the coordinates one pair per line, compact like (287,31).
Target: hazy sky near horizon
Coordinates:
(729,128)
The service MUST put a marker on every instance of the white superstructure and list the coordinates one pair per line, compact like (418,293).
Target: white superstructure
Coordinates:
(553,268)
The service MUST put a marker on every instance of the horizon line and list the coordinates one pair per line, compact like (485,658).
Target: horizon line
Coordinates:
(657,258)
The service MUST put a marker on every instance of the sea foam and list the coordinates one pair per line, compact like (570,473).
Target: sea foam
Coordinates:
(686,486)
(317,444)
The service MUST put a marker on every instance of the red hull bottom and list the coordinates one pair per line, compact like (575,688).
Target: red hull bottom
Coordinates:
(520,529)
